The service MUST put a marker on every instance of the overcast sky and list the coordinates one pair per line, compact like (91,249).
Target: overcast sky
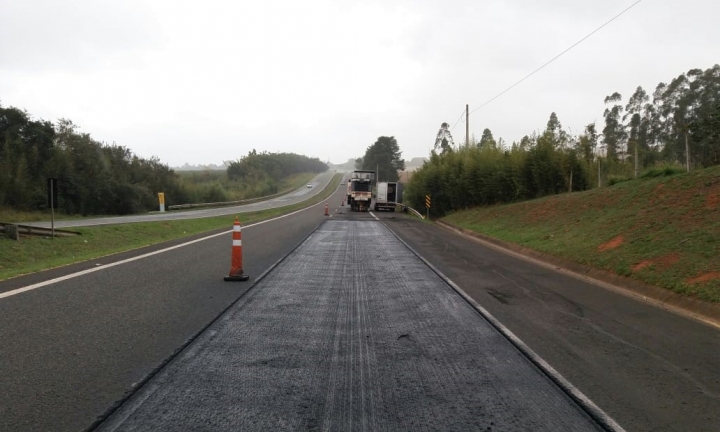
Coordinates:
(206,81)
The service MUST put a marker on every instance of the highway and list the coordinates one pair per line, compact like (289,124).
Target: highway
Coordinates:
(72,349)
(342,336)
(299,195)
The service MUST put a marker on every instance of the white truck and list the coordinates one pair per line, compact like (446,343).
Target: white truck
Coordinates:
(388,195)
(359,190)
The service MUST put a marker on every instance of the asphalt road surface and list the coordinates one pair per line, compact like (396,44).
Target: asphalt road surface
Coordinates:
(649,369)
(351,332)
(301,194)
(71,349)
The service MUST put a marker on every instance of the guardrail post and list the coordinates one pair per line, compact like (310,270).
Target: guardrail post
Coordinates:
(12,232)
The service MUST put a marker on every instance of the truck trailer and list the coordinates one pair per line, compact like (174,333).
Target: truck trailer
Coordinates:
(359,190)
(388,195)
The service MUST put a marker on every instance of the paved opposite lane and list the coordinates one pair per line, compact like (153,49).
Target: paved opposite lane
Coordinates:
(319,182)
(350,332)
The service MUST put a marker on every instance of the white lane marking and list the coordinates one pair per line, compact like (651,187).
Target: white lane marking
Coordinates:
(562,382)
(373,215)
(530,353)
(117,263)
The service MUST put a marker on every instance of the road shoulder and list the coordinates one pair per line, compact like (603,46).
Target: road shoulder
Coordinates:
(708,313)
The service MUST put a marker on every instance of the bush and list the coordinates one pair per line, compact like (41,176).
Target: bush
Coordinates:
(664,170)
(615,179)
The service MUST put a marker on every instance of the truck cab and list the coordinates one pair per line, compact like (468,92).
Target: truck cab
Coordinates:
(359,190)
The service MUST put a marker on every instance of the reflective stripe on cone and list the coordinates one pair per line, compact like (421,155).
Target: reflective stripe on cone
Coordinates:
(236,266)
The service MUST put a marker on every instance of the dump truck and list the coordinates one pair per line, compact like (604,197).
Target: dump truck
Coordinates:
(388,195)
(359,190)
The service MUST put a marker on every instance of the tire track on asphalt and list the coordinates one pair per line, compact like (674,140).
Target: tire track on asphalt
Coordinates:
(328,328)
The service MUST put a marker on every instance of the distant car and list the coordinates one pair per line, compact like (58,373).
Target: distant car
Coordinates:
(309,185)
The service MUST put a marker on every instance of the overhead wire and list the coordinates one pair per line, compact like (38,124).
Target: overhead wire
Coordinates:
(458,120)
(556,57)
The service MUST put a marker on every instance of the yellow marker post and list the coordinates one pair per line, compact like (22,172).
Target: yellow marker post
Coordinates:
(161,198)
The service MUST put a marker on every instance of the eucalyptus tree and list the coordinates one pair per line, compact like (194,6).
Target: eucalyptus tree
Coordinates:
(636,129)
(706,132)
(444,140)
(487,140)
(613,132)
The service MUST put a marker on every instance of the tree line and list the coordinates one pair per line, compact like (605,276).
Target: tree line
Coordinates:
(264,171)
(676,125)
(93,178)
(97,178)
(681,124)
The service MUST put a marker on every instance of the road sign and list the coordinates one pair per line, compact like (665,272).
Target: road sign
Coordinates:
(427,201)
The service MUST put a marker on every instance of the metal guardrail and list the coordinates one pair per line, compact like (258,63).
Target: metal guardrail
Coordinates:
(229,203)
(27,230)
(411,210)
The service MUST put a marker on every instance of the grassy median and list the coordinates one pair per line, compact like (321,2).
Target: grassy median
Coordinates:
(34,254)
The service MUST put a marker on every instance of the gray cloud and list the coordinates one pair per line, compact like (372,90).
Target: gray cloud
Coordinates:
(206,82)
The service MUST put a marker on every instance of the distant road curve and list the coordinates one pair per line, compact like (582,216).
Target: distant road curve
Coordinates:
(319,183)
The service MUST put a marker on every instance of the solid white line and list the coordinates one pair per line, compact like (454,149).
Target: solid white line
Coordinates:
(373,215)
(117,263)
(609,422)
(541,362)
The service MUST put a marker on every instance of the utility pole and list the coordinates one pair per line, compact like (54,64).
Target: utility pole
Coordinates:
(467,126)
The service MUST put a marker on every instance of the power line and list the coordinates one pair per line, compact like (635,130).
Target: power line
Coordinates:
(556,57)
(458,120)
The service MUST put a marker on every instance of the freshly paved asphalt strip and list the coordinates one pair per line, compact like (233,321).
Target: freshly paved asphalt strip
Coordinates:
(350,332)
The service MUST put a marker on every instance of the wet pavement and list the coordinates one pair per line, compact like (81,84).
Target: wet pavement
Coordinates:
(350,332)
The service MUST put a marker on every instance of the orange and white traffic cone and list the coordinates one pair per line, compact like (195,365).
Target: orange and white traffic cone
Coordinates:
(327,212)
(236,266)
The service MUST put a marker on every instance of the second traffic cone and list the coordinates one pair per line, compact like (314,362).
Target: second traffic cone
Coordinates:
(236,266)
(327,212)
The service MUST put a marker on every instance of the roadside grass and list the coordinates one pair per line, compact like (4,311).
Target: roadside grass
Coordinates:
(32,254)
(661,230)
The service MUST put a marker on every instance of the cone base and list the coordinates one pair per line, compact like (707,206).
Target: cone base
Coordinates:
(237,278)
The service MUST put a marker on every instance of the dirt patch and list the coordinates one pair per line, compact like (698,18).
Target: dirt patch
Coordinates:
(712,201)
(706,277)
(612,244)
(546,211)
(661,263)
